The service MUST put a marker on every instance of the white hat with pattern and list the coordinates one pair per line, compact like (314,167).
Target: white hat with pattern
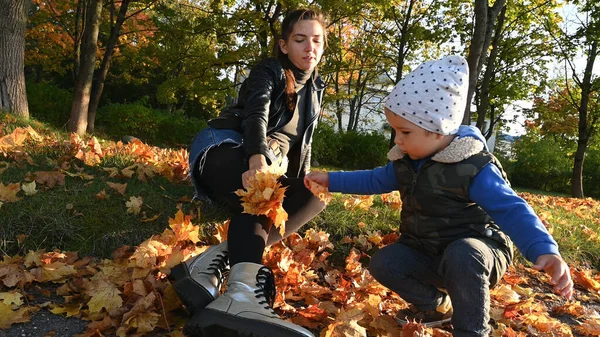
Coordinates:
(434,95)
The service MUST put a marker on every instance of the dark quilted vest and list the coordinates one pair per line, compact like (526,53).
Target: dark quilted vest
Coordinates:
(436,208)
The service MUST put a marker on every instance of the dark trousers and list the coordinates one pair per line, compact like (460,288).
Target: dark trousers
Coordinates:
(467,270)
(249,234)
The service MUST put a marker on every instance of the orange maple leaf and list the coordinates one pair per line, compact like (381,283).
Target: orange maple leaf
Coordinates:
(8,193)
(265,197)
(183,228)
(320,192)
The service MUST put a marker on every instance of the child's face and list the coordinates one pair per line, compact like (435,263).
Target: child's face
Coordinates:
(412,140)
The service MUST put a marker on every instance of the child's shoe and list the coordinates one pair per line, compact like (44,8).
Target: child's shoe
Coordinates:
(429,318)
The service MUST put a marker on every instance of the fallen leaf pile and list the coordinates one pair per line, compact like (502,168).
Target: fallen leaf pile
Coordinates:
(130,294)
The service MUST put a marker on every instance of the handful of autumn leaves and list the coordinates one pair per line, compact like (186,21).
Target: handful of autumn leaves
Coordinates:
(265,197)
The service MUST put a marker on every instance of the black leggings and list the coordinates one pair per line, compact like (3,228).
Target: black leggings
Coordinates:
(248,234)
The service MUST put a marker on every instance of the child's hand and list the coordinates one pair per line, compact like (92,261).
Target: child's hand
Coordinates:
(558,270)
(319,177)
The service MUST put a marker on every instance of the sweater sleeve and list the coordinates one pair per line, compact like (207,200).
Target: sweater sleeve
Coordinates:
(376,181)
(511,213)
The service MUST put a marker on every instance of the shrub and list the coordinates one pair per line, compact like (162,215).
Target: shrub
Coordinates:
(350,150)
(154,126)
(134,119)
(49,103)
(326,145)
(363,150)
(178,130)
(542,163)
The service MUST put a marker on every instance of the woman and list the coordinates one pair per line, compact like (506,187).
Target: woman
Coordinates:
(272,124)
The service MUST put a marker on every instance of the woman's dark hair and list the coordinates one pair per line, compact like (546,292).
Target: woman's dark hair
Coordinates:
(287,26)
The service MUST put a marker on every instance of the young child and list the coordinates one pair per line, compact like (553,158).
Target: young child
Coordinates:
(459,212)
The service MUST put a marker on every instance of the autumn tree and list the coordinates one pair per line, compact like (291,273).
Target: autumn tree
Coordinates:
(483,29)
(116,21)
(517,62)
(13,18)
(581,87)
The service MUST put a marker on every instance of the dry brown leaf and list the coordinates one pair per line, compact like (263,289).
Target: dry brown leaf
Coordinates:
(117,187)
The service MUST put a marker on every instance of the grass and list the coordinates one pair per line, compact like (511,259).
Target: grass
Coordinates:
(72,218)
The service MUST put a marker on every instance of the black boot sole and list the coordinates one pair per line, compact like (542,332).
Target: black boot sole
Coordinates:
(193,295)
(213,323)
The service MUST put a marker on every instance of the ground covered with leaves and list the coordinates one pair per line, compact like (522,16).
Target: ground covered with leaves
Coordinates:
(321,276)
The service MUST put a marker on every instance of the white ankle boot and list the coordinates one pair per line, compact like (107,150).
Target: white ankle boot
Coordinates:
(245,309)
(198,280)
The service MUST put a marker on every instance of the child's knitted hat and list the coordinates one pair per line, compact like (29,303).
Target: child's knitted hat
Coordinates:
(433,96)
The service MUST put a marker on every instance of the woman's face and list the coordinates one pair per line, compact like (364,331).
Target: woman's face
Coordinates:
(304,46)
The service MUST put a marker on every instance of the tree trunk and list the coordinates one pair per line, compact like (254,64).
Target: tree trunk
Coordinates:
(488,76)
(98,85)
(79,25)
(13,19)
(402,55)
(485,18)
(83,84)
(583,134)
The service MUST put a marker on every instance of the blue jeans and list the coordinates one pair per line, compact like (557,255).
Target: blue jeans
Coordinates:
(467,270)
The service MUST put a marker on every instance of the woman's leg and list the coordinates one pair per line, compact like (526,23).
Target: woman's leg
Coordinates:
(248,234)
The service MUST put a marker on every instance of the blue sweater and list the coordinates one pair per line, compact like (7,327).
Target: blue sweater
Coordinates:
(488,190)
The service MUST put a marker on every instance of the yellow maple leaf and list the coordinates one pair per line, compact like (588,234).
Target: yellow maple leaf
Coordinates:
(265,197)
(8,316)
(29,188)
(183,228)
(53,272)
(346,324)
(70,309)
(134,205)
(103,295)
(8,193)
(11,298)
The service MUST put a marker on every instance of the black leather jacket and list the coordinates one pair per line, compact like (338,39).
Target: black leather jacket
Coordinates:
(261,110)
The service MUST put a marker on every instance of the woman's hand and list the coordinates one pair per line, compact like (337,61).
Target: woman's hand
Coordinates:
(559,272)
(319,177)
(256,163)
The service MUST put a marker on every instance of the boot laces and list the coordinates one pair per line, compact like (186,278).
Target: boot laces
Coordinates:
(265,282)
(218,266)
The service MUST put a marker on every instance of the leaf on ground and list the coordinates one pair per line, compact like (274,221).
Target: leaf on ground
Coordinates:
(50,178)
(53,272)
(583,278)
(183,228)
(117,187)
(29,188)
(103,295)
(70,309)
(8,193)
(8,316)
(134,205)
(12,298)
